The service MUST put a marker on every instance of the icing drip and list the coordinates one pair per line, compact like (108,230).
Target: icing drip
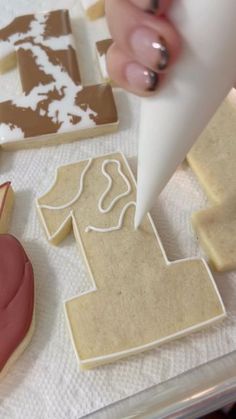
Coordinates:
(77,196)
(109,208)
(115,200)
(114,228)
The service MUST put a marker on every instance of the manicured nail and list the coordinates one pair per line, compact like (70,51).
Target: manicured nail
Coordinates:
(149,48)
(141,78)
(154,6)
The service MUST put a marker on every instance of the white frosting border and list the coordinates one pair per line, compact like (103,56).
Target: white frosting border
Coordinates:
(117,355)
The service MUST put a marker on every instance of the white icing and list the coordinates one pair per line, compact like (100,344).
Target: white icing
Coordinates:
(113,228)
(100,207)
(14,133)
(123,194)
(60,111)
(115,200)
(76,197)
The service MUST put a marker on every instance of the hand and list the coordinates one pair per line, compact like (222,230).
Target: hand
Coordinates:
(145,44)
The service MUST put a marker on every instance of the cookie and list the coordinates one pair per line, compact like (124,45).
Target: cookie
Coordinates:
(213,159)
(55,107)
(101,51)
(6,204)
(138,299)
(16,301)
(94,8)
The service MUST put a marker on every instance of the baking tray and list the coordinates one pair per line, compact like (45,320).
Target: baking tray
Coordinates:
(190,395)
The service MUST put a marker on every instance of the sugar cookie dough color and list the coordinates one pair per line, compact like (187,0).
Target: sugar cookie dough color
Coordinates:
(6,203)
(137,299)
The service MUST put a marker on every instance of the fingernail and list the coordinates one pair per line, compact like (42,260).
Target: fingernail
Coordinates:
(150,48)
(154,6)
(141,78)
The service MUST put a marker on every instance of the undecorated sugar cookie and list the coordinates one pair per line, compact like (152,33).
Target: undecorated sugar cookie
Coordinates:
(101,51)
(94,8)
(55,107)
(16,301)
(137,298)
(6,204)
(213,159)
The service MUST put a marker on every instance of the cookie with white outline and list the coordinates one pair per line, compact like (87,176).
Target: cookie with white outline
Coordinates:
(137,298)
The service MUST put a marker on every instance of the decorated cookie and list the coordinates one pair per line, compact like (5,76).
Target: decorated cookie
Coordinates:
(101,51)
(16,301)
(137,298)
(6,204)
(54,107)
(93,8)
(213,159)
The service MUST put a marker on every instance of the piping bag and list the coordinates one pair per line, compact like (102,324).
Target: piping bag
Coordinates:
(196,85)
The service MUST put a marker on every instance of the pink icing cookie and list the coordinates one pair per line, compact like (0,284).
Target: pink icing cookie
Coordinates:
(16,301)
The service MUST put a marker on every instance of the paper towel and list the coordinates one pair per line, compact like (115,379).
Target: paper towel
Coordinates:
(46,382)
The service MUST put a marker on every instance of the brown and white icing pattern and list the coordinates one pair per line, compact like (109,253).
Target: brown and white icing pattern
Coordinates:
(54,100)
(101,49)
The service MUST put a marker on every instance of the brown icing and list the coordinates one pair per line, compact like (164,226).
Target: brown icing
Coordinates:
(103,46)
(50,78)
(28,120)
(16,296)
(5,186)
(58,23)
(97,97)
(67,61)
(25,60)
(20,24)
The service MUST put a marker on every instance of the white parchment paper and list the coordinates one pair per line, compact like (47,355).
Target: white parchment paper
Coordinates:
(46,382)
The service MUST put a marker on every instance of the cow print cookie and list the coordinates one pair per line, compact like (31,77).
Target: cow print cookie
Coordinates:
(55,107)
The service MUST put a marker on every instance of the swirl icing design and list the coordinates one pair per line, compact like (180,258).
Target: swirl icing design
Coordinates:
(54,100)
(114,201)
(100,202)
(16,297)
